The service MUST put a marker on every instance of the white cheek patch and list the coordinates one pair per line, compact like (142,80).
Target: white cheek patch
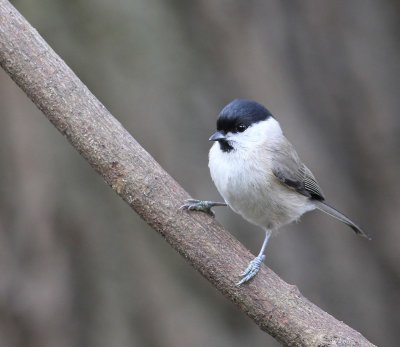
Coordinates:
(269,128)
(268,131)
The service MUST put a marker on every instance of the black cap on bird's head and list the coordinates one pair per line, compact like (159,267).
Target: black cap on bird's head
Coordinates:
(236,117)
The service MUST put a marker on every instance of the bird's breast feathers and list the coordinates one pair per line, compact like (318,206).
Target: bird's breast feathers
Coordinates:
(249,187)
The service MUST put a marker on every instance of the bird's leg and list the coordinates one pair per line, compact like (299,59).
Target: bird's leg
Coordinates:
(201,205)
(255,264)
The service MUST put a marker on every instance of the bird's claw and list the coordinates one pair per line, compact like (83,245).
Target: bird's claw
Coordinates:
(198,205)
(251,270)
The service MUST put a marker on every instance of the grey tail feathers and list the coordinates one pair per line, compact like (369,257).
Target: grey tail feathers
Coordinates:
(336,214)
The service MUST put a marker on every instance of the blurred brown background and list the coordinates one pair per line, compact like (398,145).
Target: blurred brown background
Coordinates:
(79,268)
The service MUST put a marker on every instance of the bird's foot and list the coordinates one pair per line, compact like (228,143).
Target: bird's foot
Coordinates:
(251,270)
(201,205)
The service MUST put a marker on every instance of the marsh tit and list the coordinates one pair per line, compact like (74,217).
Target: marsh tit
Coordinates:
(259,174)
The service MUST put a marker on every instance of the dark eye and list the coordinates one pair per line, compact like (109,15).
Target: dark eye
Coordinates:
(241,127)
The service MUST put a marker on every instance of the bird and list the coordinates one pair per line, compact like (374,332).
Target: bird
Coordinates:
(260,176)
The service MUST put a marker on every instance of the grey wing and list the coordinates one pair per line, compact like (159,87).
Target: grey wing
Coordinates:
(295,175)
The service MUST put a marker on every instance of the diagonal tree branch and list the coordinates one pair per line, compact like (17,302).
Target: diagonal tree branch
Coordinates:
(277,307)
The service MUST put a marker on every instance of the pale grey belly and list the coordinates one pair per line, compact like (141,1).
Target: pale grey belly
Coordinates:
(266,206)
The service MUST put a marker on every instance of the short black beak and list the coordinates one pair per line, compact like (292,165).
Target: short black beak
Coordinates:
(217,136)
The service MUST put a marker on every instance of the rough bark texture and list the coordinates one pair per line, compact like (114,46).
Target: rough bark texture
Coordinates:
(277,307)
